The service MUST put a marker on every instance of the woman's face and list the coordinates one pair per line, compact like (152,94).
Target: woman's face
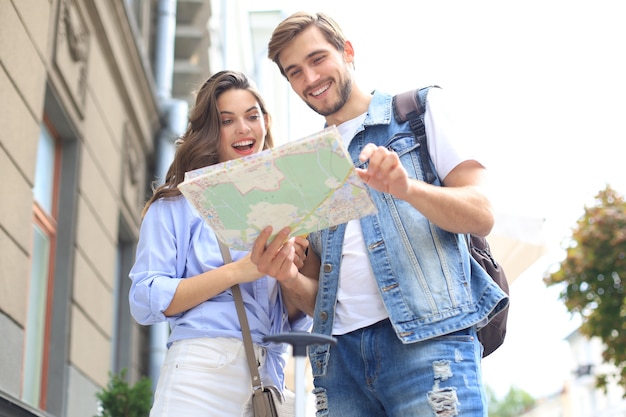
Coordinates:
(243,127)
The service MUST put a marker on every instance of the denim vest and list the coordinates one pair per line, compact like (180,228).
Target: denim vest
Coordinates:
(429,283)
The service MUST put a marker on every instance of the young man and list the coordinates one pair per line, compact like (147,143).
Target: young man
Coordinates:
(398,289)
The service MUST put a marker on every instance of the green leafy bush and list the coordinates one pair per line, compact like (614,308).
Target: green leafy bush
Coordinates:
(119,399)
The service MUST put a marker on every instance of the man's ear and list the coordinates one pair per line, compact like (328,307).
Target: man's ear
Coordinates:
(348,52)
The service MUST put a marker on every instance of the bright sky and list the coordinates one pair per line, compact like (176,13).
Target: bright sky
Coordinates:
(542,89)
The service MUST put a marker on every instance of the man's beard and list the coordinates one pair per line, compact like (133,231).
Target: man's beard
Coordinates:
(345,88)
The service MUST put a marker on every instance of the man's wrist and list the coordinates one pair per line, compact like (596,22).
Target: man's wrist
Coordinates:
(290,281)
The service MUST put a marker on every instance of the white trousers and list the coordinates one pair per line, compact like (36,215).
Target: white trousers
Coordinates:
(208,377)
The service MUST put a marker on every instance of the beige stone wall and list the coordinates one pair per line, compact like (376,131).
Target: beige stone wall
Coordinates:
(83,50)
(109,98)
(118,116)
(22,86)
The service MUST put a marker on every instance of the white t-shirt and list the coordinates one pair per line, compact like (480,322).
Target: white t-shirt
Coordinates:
(359,302)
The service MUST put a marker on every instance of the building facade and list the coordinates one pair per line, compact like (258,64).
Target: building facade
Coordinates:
(581,396)
(86,93)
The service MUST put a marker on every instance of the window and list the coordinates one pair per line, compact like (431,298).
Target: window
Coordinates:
(123,321)
(45,191)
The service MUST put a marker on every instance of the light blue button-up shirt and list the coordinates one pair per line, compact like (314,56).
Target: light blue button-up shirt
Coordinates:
(176,243)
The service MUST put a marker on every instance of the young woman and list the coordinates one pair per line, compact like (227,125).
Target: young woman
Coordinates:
(179,275)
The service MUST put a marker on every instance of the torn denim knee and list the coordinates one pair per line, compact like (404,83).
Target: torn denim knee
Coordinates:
(443,401)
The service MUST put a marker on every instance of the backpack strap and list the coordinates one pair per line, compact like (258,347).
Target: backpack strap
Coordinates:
(410,106)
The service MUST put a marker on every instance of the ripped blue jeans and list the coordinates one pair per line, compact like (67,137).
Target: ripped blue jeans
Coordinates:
(372,373)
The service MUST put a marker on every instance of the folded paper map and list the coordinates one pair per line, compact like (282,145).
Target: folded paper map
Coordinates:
(309,184)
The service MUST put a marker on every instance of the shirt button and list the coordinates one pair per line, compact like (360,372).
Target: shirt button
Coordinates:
(328,268)
(324,316)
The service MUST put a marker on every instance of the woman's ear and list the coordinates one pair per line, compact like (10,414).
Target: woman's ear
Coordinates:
(268,121)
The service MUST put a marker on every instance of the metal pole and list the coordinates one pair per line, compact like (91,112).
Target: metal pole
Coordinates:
(300,387)
(300,341)
(163,72)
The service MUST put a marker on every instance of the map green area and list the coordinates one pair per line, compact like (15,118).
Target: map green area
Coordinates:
(309,184)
